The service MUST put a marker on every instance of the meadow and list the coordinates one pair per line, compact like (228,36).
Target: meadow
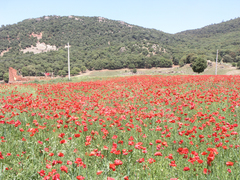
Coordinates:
(136,127)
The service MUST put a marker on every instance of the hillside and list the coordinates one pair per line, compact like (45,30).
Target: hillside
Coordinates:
(35,46)
(224,36)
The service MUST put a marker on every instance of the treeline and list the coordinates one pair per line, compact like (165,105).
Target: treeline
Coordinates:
(113,57)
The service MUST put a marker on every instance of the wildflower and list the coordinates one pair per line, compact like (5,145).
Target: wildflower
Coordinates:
(99,172)
(80,178)
(229,163)
(41,173)
(64,168)
(118,162)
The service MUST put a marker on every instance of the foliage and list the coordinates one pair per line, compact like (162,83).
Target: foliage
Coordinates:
(227,58)
(181,63)
(62,73)
(199,65)
(6,77)
(134,70)
(131,66)
(237,59)
(83,69)
(190,58)
(176,60)
(238,64)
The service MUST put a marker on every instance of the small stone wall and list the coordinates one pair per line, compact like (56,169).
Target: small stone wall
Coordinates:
(15,78)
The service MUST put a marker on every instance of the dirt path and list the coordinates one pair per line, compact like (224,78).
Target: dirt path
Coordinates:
(123,70)
(234,72)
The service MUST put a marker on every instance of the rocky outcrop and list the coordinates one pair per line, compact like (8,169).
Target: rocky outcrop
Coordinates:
(40,48)
(38,36)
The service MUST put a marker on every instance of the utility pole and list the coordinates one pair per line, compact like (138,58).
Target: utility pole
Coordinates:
(68,63)
(216,63)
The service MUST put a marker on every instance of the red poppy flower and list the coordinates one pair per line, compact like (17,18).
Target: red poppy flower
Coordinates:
(118,162)
(64,168)
(158,154)
(60,154)
(48,166)
(140,160)
(63,141)
(112,166)
(229,163)
(80,178)
(41,173)
(99,172)
(206,171)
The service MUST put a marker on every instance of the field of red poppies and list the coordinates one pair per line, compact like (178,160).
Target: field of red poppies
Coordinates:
(139,127)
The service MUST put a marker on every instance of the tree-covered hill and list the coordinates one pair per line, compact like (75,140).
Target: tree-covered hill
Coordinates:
(80,31)
(224,36)
(100,43)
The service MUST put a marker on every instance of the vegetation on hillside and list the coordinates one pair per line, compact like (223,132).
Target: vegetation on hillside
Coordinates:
(99,43)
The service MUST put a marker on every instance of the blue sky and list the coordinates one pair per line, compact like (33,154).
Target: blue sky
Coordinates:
(170,16)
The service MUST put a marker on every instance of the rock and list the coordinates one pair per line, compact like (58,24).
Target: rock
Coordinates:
(122,49)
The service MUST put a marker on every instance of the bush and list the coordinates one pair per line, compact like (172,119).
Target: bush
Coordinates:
(1,76)
(134,70)
(238,64)
(227,58)
(62,73)
(74,72)
(199,65)
(175,61)
(83,69)
(6,77)
(190,58)
(234,64)
(181,63)
(131,66)
(237,59)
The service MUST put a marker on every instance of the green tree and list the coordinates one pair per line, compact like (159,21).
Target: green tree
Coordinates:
(6,77)
(134,70)
(83,69)
(145,52)
(1,75)
(49,69)
(237,59)
(181,63)
(62,73)
(175,60)
(190,58)
(199,65)
(131,66)
(75,71)
(238,65)
(227,58)
(25,71)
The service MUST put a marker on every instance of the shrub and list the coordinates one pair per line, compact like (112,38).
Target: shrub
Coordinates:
(131,66)
(199,65)
(134,70)
(227,58)
(6,77)
(238,64)
(181,63)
